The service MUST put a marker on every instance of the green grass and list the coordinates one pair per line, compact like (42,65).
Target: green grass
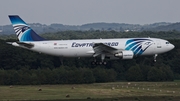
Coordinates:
(115,90)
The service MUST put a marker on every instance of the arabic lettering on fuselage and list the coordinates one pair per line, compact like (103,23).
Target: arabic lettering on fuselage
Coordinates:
(74,44)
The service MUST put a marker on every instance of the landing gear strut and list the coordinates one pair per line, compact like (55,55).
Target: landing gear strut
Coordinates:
(102,58)
(155,55)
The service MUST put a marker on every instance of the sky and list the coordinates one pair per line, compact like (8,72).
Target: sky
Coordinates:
(78,12)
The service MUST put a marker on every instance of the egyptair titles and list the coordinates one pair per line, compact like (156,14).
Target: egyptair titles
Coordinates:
(74,44)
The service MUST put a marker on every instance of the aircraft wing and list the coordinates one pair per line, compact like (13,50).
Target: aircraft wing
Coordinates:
(100,48)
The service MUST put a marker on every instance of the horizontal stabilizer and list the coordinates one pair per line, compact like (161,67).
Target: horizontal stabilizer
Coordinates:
(9,43)
(28,45)
(21,44)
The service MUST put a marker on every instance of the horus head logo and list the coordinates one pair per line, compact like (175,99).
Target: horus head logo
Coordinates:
(138,46)
(24,28)
(20,29)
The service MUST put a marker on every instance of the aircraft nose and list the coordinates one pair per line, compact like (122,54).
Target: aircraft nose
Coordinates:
(172,46)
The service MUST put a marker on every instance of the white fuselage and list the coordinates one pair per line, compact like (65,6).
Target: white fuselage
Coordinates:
(124,48)
(84,48)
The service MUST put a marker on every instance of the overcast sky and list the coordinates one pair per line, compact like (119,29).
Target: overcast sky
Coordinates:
(78,12)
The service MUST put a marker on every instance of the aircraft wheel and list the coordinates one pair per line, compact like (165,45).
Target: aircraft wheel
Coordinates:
(93,63)
(100,63)
(104,63)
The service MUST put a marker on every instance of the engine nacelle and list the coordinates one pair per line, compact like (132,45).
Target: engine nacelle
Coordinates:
(125,54)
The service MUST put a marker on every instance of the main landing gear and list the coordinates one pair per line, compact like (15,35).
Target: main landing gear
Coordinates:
(102,62)
(98,62)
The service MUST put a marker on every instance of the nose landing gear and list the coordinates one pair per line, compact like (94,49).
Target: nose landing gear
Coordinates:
(155,55)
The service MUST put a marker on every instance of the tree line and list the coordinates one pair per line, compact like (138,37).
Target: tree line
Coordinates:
(96,34)
(19,67)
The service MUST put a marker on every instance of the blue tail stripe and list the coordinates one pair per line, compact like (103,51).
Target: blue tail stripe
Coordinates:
(16,20)
(35,36)
(23,31)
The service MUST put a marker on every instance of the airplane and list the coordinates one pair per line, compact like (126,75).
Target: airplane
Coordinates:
(118,48)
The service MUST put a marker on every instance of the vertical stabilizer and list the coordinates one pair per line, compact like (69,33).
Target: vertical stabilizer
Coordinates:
(22,30)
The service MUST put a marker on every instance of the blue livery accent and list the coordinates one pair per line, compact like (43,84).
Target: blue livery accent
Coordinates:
(22,30)
(135,45)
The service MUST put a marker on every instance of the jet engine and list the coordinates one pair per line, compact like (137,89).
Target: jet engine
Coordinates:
(125,54)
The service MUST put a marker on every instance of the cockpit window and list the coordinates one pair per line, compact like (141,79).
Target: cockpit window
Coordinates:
(167,43)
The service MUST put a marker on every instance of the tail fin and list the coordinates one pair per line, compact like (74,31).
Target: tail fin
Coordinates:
(22,30)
